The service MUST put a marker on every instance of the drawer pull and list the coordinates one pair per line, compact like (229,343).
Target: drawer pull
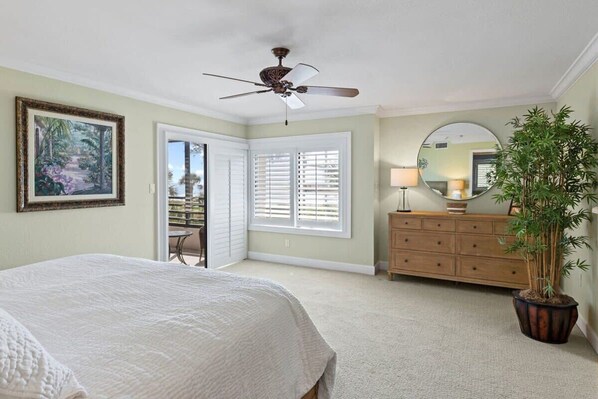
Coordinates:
(475,227)
(406,240)
(439,242)
(514,272)
(437,264)
(438,224)
(475,268)
(406,222)
(475,245)
(406,260)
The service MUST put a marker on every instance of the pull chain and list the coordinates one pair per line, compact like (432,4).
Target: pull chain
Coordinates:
(286,111)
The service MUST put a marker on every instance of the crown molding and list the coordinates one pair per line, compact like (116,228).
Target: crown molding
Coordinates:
(304,116)
(464,106)
(114,89)
(582,63)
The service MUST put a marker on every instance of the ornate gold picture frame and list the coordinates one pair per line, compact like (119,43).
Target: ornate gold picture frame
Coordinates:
(68,157)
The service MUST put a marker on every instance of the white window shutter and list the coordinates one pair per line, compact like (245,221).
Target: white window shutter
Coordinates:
(238,207)
(318,188)
(227,231)
(302,184)
(272,188)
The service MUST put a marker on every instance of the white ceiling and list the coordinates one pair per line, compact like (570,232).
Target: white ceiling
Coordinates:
(401,54)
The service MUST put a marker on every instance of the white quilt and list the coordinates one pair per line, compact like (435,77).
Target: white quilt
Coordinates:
(132,328)
(27,371)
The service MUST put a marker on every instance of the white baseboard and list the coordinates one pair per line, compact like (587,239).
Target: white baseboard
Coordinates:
(382,265)
(587,330)
(229,264)
(313,263)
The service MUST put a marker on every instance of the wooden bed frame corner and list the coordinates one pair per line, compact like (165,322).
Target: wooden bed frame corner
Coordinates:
(313,393)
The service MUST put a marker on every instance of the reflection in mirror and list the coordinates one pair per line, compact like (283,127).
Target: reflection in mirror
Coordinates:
(455,159)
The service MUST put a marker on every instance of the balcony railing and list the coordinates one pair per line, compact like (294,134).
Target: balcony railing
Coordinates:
(186,212)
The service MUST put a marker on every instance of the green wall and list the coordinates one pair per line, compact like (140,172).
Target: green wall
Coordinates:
(583,286)
(126,230)
(359,249)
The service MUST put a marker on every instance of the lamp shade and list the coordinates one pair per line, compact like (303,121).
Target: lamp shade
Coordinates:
(456,185)
(403,177)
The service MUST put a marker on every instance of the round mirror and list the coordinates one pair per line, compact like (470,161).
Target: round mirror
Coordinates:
(455,159)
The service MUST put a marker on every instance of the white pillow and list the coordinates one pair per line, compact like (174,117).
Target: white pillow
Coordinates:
(27,371)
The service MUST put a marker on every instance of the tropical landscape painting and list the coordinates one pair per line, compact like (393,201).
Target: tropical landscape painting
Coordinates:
(72,157)
(68,157)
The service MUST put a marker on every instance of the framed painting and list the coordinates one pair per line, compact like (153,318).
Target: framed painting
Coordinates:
(68,157)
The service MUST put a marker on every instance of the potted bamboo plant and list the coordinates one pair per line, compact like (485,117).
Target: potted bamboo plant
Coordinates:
(548,169)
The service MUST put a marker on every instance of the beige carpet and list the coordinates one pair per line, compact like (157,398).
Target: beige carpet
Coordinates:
(421,338)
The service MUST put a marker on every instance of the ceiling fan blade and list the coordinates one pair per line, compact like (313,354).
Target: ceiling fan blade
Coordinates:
(292,101)
(328,91)
(239,80)
(300,74)
(245,94)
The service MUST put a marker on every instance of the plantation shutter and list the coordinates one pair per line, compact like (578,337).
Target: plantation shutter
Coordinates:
(238,206)
(272,195)
(318,188)
(227,232)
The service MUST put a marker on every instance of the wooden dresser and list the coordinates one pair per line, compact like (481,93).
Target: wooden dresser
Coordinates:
(453,247)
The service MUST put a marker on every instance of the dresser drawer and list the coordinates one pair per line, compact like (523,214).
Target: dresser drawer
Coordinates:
(438,224)
(500,228)
(474,226)
(503,270)
(406,223)
(417,262)
(480,245)
(418,241)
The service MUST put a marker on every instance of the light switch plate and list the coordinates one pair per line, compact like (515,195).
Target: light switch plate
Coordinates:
(152,188)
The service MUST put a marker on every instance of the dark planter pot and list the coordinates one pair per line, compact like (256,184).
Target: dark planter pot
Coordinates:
(545,322)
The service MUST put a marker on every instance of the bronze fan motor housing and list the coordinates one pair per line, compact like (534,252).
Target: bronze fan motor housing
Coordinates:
(271,76)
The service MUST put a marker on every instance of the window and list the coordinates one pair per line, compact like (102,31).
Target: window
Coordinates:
(272,187)
(318,187)
(482,164)
(301,185)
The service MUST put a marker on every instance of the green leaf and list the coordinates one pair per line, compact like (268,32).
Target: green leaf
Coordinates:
(549,167)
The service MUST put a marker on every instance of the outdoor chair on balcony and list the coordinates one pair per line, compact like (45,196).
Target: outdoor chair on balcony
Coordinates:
(202,243)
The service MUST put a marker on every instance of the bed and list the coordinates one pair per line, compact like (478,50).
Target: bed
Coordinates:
(133,328)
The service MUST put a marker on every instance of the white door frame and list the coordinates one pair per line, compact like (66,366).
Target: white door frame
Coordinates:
(165,133)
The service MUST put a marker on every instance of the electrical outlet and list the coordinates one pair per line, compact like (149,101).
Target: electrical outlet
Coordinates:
(287,243)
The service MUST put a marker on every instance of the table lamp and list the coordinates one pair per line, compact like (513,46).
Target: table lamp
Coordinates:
(403,178)
(455,187)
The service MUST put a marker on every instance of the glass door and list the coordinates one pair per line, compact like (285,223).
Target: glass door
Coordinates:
(187,203)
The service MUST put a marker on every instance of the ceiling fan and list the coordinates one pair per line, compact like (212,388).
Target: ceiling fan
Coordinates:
(285,81)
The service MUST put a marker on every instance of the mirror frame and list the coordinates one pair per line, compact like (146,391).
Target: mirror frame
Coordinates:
(420,170)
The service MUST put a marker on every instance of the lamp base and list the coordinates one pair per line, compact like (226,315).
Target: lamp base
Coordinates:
(403,205)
